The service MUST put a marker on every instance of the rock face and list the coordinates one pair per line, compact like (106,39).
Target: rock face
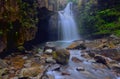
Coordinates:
(61,56)
(14,31)
(52,5)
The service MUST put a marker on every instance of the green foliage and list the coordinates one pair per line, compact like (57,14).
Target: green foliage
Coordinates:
(23,12)
(28,14)
(117,32)
(93,21)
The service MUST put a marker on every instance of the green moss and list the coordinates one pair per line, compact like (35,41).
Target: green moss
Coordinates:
(54,55)
(21,48)
(117,33)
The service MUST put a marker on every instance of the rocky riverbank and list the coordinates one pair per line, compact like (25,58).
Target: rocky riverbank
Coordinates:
(96,59)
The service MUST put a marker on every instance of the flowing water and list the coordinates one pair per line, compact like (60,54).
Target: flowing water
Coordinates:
(68,29)
(90,72)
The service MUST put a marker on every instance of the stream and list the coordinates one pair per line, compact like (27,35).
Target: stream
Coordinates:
(88,69)
(78,67)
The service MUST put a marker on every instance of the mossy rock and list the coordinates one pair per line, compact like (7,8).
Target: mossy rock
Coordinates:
(21,48)
(61,56)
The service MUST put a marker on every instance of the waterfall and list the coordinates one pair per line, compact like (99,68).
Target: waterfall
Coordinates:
(67,25)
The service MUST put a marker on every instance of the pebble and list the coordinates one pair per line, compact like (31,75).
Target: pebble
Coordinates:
(65,73)
(25,57)
(50,60)
(27,65)
(80,69)
(48,51)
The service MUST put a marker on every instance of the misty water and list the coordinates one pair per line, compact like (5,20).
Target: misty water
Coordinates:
(67,26)
(68,31)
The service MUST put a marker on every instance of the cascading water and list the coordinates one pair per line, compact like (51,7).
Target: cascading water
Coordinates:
(68,28)
(91,70)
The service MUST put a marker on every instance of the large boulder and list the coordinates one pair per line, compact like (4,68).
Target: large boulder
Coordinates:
(61,56)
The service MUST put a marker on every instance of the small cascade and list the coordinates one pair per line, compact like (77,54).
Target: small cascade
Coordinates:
(90,71)
(67,26)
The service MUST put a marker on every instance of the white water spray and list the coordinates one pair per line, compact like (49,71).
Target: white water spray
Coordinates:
(68,28)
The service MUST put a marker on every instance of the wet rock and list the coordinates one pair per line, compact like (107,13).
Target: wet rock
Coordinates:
(77,45)
(86,72)
(5,77)
(37,55)
(114,36)
(61,56)
(81,47)
(85,55)
(43,60)
(91,60)
(80,69)
(48,51)
(103,46)
(111,53)
(49,45)
(50,60)
(91,54)
(27,65)
(116,70)
(44,77)
(98,66)
(115,66)
(106,44)
(65,73)
(28,61)
(36,60)
(12,71)
(21,48)
(76,60)
(39,51)
(3,64)
(54,67)
(17,62)
(3,71)
(100,59)
(51,77)
(25,57)
(31,72)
